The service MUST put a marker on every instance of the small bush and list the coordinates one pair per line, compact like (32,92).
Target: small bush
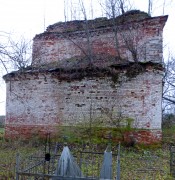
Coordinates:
(168,120)
(1,125)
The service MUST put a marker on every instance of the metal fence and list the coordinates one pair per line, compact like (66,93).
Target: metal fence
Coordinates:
(90,163)
(92,166)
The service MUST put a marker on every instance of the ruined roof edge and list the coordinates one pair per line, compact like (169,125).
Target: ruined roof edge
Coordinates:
(72,27)
(62,71)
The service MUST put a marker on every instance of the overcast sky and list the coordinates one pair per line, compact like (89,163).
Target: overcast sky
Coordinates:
(30,17)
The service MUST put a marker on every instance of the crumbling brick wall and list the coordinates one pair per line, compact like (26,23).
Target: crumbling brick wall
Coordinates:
(67,40)
(61,88)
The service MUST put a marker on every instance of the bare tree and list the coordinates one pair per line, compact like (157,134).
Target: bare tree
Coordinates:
(89,45)
(81,13)
(154,5)
(169,85)
(150,3)
(15,54)
(132,42)
(114,8)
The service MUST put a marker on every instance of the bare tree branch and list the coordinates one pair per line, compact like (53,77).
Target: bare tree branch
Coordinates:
(15,54)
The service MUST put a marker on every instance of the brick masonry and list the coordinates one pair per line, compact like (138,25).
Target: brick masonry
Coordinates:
(46,101)
(58,44)
(39,101)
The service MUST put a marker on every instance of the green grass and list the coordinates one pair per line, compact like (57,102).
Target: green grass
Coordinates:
(132,161)
(131,164)
(1,131)
(168,135)
(95,134)
(8,152)
(140,164)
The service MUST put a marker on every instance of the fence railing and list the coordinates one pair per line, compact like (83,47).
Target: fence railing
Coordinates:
(90,164)
(124,166)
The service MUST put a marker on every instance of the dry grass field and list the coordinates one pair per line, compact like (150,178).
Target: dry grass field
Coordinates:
(133,165)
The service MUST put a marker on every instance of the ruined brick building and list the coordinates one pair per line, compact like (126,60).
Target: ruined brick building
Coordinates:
(105,69)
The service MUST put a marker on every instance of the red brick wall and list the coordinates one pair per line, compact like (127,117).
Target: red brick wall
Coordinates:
(22,131)
(40,101)
(146,36)
(143,136)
